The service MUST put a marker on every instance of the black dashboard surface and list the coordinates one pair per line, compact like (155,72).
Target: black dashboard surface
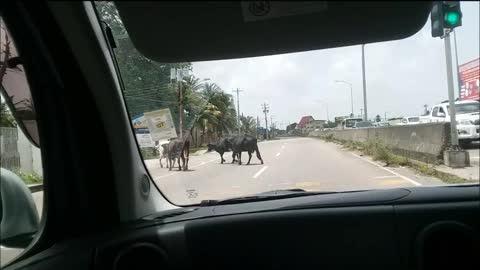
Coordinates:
(381,229)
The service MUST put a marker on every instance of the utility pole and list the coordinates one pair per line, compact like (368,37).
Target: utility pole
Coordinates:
(364,84)
(385,117)
(361,113)
(180,109)
(459,82)
(265,111)
(238,108)
(272,127)
(451,95)
(258,125)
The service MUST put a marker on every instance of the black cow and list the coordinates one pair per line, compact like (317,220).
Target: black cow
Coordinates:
(245,143)
(221,146)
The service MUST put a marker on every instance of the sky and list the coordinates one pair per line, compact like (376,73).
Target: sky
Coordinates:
(401,76)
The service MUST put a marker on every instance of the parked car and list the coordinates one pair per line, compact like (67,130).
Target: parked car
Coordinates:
(381,124)
(410,120)
(350,122)
(363,124)
(467,116)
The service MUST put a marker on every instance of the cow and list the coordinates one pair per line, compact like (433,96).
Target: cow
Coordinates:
(179,149)
(221,146)
(162,148)
(244,143)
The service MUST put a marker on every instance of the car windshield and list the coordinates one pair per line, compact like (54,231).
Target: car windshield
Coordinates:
(215,130)
(351,122)
(473,107)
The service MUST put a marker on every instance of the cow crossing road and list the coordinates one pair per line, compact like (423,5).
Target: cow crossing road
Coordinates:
(306,163)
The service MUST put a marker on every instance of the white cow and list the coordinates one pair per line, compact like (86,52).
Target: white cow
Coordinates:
(162,149)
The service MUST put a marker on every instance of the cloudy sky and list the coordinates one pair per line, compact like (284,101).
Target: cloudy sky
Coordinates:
(401,76)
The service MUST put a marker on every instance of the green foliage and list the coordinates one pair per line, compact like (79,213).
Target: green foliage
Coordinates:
(29,178)
(248,125)
(148,87)
(6,118)
(147,83)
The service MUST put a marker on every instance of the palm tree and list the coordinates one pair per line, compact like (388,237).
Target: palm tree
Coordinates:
(247,125)
(224,102)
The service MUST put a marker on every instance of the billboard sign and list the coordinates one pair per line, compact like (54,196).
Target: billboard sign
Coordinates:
(469,77)
(160,124)
(142,133)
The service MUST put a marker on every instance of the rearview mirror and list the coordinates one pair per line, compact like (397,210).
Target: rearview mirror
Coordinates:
(18,214)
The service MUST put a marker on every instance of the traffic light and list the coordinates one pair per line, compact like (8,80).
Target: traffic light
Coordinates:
(445,15)
(452,14)
(436,17)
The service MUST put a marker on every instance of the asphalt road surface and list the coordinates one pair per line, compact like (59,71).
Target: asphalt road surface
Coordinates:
(306,163)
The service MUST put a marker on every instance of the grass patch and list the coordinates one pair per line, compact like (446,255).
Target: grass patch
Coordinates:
(380,152)
(29,178)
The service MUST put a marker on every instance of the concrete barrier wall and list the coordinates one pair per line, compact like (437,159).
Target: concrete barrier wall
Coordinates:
(424,142)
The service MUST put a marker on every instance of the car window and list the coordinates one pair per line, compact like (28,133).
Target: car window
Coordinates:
(20,161)
(441,110)
(195,121)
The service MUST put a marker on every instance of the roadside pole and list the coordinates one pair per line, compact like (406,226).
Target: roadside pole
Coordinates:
(459,83)
(238,108)
(265,111)
(180,109)
(365,118)
(451,93)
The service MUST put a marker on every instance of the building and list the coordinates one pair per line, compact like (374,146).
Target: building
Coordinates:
(314,125)
(304,121)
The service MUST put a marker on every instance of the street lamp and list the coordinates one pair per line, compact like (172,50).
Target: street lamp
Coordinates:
(351,92)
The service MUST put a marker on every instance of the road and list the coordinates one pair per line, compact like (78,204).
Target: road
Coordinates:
(474,151)
(306,163)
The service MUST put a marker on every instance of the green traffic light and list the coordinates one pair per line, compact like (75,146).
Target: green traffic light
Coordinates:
(452,18)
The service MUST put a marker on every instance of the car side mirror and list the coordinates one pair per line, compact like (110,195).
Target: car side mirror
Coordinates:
(441,114)
(19,219)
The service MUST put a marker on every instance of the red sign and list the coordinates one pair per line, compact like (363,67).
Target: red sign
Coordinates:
(470,80)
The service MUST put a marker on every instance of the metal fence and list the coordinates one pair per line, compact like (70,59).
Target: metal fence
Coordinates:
(9,155)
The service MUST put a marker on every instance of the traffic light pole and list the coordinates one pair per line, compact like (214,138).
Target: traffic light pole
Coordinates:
(451,93)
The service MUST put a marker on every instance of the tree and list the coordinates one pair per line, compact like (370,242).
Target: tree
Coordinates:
(378,118)
(6,118)
(147,83)
(247,125)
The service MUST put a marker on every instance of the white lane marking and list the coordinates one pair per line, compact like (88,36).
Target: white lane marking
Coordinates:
(195,166)
(388,170)
(385,176)
(260,171)
(278,154)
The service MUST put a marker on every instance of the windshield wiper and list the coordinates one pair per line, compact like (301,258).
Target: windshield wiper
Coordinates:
(264,196)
